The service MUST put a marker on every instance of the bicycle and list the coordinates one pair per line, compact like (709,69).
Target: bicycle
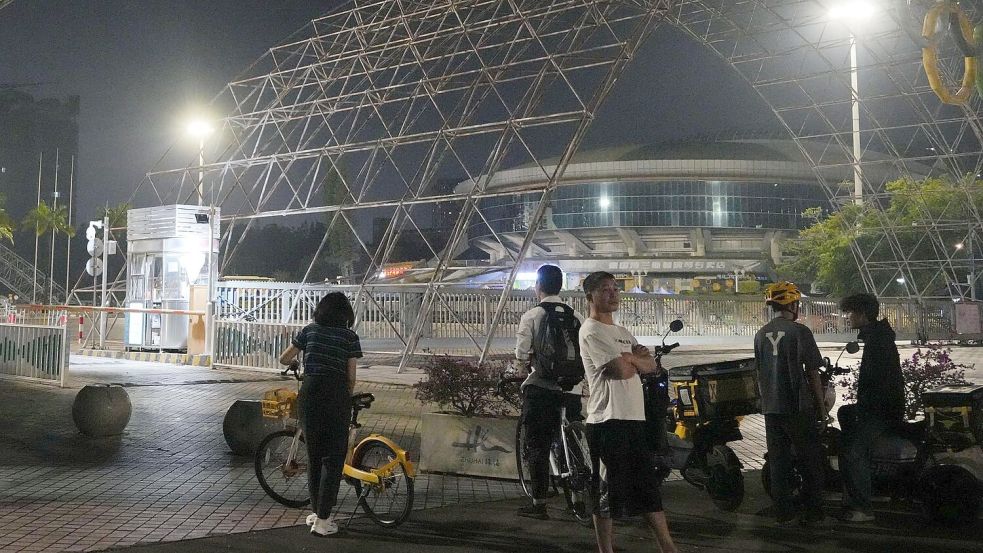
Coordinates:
(570,461)
(378,469)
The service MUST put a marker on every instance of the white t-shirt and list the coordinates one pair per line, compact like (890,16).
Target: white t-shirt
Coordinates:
(609,399)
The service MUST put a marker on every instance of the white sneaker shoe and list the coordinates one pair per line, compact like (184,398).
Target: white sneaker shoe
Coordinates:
(324,527)
(311,518)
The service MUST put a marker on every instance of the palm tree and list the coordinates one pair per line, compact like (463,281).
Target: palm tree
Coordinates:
(117,216)
(6,223)
(6,227)
(44,219)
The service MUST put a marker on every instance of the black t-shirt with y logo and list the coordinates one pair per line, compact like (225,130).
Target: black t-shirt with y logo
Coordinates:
(784,350)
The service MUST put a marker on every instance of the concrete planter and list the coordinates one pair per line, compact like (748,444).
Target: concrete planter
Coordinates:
(474,446)
(244,426)
(101,410)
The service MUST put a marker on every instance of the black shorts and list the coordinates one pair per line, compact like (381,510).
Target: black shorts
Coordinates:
(630,483)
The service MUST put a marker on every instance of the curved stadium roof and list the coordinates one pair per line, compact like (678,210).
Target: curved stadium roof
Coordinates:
(758,159)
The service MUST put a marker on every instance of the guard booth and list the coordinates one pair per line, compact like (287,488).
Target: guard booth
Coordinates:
(171,252)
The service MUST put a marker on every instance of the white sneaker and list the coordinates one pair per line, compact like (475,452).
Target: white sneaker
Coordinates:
(311,518)
(324,527)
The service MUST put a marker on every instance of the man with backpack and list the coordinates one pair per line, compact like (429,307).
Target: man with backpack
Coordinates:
(547,344)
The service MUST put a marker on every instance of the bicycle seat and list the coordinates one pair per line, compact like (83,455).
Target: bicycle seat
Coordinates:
(362,401)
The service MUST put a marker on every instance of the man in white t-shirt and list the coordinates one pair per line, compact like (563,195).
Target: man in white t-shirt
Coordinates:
(625,480)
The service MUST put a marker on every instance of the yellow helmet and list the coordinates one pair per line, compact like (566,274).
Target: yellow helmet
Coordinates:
(782,293)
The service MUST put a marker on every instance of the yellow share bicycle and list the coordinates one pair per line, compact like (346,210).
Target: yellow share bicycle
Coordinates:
(378,469)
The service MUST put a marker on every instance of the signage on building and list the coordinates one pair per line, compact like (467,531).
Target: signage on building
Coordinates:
(665,265)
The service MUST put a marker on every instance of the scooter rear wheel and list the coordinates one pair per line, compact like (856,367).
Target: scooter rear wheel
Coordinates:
(725,482)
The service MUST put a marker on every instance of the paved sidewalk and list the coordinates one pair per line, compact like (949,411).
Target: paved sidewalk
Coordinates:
(170,476)
(696,526)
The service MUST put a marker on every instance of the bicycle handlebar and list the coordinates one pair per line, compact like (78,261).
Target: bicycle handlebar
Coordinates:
(293,367)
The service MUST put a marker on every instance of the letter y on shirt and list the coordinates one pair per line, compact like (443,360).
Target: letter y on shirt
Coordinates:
(775,338)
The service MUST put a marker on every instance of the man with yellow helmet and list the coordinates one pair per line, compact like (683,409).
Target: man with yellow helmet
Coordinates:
(792,402)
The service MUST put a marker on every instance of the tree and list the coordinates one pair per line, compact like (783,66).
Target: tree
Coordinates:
(117,215)
(6,223)
(339,250)
(44,219)
(823,254)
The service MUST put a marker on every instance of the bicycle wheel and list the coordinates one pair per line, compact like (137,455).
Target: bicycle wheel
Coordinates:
(284,479)
(520,461)
(577,488)
(388,503)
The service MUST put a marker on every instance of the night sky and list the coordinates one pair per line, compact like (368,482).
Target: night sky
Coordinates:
(141,67)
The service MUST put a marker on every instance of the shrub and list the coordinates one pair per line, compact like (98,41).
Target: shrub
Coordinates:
(465,387)
(924,370)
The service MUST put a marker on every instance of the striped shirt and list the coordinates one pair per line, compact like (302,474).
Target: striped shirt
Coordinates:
(327,349)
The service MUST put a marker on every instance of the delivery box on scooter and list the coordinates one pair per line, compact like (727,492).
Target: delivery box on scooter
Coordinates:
(955,414)
(716,390)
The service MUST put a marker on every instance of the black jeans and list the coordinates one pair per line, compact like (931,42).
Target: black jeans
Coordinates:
(326,411)
(793,443)
(540,420)
(860,432)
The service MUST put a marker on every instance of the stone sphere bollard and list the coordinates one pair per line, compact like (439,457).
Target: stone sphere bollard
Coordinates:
(244,426)
(101,410)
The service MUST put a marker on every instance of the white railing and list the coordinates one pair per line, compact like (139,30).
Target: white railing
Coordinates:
(34,352)
(387,314)
(246,344)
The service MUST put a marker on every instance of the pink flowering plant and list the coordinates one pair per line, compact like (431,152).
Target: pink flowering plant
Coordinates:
(464,387)
(924,370)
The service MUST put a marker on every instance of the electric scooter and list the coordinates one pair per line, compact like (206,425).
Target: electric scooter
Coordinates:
(936,462)
(704,414)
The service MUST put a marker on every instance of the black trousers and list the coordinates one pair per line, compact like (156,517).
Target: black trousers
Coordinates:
(860,432)
(793,443)
(540,420)
(326,411)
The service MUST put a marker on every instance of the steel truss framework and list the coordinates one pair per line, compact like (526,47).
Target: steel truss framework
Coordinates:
(369,107)
(22,277)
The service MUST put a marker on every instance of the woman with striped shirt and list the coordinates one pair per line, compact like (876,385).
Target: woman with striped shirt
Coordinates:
(330,348)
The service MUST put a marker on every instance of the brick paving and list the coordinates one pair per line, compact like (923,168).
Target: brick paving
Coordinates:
(171,477)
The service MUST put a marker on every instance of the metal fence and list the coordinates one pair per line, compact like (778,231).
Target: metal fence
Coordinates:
(251,344)
(465,312)
(34,352)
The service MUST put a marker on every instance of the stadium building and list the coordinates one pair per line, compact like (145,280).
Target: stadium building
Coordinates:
(695,215)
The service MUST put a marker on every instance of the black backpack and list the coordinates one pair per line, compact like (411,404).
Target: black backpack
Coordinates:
(557,345)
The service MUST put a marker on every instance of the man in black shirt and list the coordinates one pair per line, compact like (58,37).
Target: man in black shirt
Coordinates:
(792,403)
(879,407)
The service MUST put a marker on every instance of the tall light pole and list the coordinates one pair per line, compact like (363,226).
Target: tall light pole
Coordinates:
(200,129)
(855,11)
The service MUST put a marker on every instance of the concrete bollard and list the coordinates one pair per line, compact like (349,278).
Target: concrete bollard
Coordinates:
(244,426)
(101,410)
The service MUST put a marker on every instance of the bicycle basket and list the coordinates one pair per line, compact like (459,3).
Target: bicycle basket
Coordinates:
(279,403)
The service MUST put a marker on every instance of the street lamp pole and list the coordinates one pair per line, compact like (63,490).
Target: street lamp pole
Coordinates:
(857,11)
(201,129)
(858,188)
(972,265)
(201,168)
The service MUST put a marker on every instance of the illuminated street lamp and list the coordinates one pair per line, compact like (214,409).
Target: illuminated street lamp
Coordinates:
(854,11)
(604,202)
(200,129)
